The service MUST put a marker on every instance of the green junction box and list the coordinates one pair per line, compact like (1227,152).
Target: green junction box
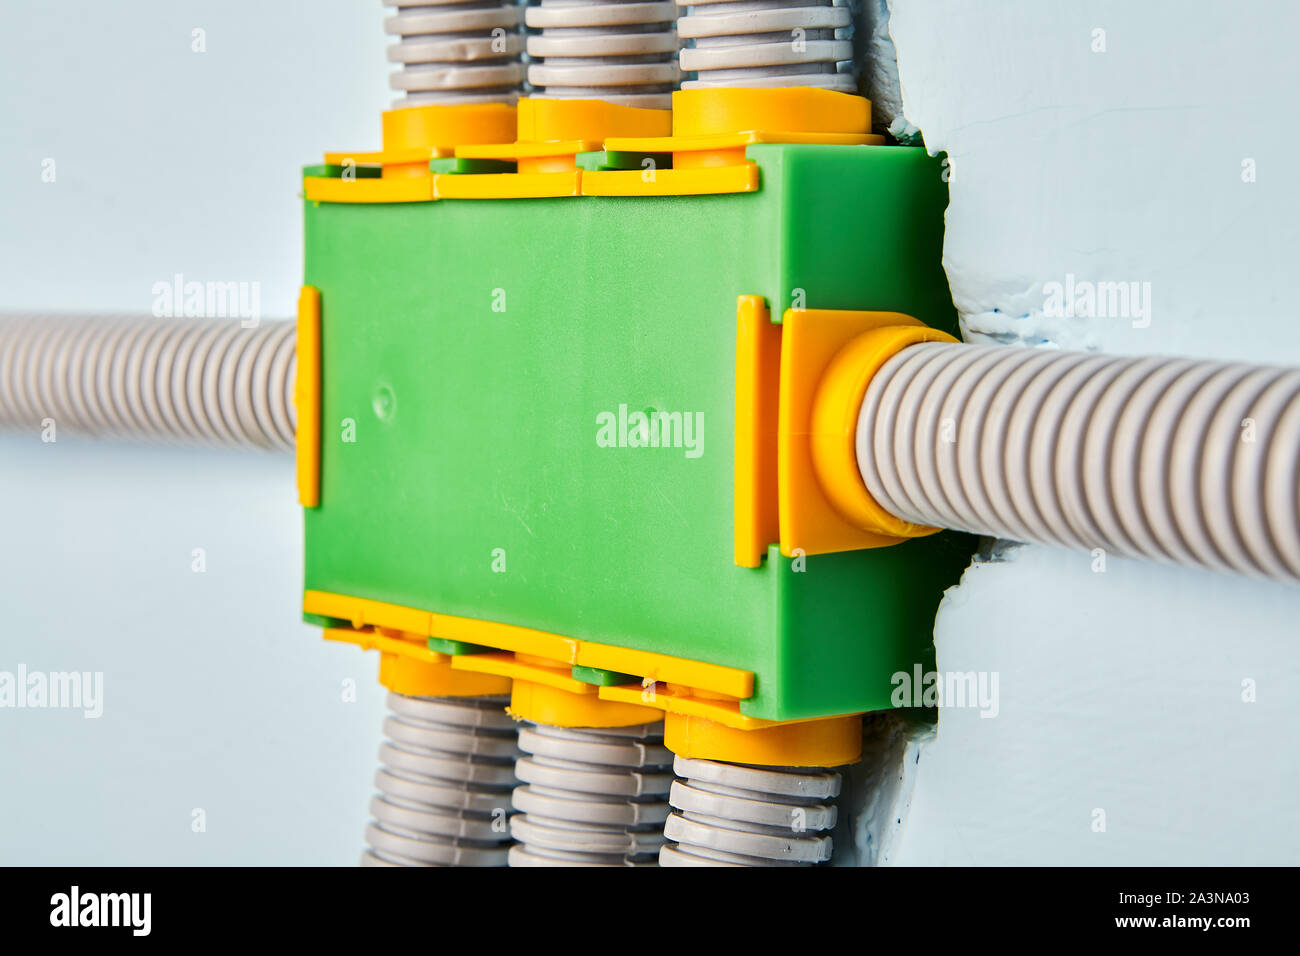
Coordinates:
(473,348)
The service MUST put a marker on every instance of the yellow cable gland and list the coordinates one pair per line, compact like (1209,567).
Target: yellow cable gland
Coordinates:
(800,109)
(834,426)
(413,677)
(416,134)
(828,742)
(544,704)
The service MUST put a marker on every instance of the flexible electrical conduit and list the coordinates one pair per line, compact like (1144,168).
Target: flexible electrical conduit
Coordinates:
(209,381)
(1176,460)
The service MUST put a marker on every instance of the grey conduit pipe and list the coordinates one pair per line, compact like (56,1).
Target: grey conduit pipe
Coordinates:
(1176,460)
(448,767)
(185,380)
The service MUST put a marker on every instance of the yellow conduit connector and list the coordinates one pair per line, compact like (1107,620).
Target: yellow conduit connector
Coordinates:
(829,742)
(833,433)
(544,704)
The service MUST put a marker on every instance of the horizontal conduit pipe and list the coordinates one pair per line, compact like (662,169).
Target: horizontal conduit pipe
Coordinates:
(186,380)
(1176,460)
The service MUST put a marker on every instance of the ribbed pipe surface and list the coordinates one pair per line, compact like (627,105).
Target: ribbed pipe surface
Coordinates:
(454,52)
(591,797)
(620,51)
(732,815)
(185,380)
(1176,460)
(444,784)
(765,43)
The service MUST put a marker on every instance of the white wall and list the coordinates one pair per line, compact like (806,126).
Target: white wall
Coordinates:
(216,696)
(1120,691)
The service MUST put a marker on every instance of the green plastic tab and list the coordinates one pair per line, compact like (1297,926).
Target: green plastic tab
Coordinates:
(455,648)
(602,678)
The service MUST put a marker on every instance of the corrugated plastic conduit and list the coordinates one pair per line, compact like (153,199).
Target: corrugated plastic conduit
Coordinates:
(186,380)
(1177,460)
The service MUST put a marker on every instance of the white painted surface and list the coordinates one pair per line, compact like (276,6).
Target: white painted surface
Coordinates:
(168,160)
(216,695)
(1120,691)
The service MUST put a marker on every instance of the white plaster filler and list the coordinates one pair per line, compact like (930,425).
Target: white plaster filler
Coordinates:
(1147,713)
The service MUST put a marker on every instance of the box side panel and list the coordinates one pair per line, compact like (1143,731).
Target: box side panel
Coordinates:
(483,366)
(850,621)
(863,229)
